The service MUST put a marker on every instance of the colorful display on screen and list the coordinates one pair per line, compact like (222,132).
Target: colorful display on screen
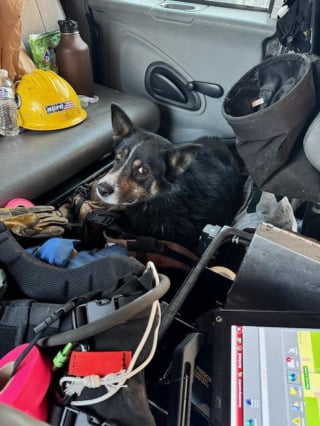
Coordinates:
(275,376)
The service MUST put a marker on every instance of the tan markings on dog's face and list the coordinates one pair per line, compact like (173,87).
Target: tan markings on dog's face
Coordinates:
(137,163)
(154,189)
(121,155)
(130,191)
(132,178)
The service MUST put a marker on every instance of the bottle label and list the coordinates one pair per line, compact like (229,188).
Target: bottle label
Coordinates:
(6,93)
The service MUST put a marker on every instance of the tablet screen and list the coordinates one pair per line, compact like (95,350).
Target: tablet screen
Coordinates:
(275,376)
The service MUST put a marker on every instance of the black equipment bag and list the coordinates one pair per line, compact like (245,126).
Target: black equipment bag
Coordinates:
(269,109)
(106,306)
(124,319)
(43,282)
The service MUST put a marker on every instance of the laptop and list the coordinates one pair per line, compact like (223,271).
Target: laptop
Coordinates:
(266,368)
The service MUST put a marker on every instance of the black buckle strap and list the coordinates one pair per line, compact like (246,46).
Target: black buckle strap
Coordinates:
(149,245)
(101,217)
(124,313)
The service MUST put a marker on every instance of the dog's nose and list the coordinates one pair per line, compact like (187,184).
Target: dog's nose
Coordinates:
(104,189)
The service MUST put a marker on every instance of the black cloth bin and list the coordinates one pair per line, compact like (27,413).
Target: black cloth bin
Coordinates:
(269,109)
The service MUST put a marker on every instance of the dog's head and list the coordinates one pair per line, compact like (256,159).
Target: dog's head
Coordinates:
(144,165)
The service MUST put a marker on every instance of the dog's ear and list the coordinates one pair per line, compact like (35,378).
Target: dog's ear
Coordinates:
(121,123)
(181,157)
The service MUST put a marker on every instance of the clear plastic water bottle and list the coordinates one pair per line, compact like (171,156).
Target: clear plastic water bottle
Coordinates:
(8,107)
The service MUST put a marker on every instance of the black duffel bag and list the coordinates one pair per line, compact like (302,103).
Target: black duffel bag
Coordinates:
(41,281)
(124,320)
(269,109)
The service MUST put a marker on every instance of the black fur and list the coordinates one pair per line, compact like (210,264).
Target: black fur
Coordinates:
(192,185)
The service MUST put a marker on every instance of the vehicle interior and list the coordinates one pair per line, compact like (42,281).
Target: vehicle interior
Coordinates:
(186,70)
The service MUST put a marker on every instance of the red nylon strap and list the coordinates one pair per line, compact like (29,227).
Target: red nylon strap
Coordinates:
(100,363)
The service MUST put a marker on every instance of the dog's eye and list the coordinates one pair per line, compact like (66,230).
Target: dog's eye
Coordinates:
(142,171)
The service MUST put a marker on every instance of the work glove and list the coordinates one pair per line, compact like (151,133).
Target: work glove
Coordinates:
(34,222)
(82,202)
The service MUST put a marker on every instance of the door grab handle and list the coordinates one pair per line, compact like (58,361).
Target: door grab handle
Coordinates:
(209,89)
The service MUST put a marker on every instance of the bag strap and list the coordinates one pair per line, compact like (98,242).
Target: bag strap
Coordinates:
(59,313)
(165,254)
(116,317)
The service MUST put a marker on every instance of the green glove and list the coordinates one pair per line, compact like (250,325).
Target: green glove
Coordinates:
(34,222)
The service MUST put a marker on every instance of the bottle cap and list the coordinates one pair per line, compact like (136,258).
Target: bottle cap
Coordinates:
(3,73)
(68,26)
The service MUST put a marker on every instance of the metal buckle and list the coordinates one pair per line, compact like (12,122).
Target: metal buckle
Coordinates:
(74,417)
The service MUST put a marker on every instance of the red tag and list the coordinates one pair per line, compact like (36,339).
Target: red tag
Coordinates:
(100,363)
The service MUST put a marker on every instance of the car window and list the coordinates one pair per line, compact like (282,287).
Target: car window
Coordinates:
(261,4)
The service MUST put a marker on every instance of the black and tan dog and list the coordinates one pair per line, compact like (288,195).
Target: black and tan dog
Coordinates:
(169,191)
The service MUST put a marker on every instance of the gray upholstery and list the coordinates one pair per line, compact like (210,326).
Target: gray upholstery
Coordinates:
(40,16)
(33,163)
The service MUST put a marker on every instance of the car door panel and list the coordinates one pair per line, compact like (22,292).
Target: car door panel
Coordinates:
(203,43)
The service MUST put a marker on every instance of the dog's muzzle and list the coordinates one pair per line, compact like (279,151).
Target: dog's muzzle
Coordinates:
(104,189)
